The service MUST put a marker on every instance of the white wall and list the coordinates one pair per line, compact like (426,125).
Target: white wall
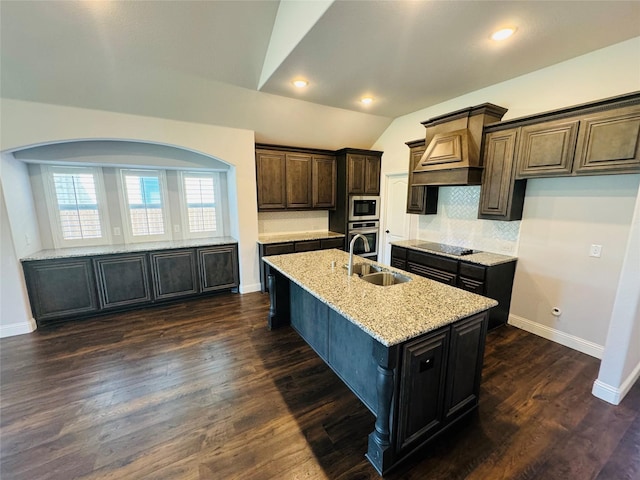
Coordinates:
(26,124)
(604,73)
(620,367)
(15,314)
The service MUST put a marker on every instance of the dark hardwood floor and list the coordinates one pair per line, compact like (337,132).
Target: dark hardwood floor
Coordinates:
(201,390)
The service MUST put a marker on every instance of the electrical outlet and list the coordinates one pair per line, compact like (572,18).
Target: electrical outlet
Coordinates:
(27,239)
(176,228)
(116,231)
(595,251)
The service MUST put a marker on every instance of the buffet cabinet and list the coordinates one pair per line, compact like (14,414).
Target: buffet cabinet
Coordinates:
(66,288)
(495,281)
(295,179)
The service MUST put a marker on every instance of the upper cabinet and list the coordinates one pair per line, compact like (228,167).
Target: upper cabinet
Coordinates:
(363,174)
(295,179)
(501,196)
(596,139)
(593,139)
(421,199)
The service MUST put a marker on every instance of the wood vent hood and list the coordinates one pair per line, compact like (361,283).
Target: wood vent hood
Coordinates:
(454,143)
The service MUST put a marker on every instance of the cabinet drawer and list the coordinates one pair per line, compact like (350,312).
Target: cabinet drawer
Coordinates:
(477,272)
(471,285)
(398,252)
(433,273)
(332,243)
(307,246)
(278,249)
(429,260)
(398,263)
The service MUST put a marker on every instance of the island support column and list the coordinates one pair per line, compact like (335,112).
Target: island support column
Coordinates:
(381,451)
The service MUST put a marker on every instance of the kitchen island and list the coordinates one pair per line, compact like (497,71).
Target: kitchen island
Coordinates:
(412,351)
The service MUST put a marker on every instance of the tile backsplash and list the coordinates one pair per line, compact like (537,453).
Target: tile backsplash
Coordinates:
(287,222)
(457,224)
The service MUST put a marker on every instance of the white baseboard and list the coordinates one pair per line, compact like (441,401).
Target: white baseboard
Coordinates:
(557,336)
(21,328)
(248,288)
(612,394)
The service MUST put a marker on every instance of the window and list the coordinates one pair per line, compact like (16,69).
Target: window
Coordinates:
(76,203)
(200,207)
(144,193)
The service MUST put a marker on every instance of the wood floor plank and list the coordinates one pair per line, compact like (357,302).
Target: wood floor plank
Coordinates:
(201,390)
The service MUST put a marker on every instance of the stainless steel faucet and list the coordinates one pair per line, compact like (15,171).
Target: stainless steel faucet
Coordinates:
(353,241)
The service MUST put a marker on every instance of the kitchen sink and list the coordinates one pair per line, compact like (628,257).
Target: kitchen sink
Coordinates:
(361,269)
(385,279)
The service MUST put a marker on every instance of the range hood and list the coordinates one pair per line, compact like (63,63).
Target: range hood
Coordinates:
(454,146)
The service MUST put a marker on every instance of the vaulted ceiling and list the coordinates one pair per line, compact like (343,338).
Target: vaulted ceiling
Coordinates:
(183,59)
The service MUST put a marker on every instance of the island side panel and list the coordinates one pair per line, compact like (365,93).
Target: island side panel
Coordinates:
(310,318)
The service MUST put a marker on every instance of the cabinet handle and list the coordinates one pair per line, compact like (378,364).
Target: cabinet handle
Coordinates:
(426,364)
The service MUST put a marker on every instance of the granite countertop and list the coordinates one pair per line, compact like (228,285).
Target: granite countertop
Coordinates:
(297,236)
(128,248)
(481,258)
(391,314)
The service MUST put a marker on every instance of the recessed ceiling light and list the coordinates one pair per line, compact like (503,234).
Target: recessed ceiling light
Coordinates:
(300,83)
(366,100)
(503,33)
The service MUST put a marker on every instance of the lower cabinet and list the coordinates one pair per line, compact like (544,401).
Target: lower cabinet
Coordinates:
(218,267)
(173,273)
(61,288)
(440,379)
(77,287)
(268,249)
(123,280)
(494,281)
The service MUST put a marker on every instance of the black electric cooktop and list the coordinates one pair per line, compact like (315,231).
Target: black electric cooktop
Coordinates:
(443,248)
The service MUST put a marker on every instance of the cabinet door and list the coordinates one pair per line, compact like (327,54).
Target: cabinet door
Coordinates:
(547,149)
(298,183)
(372,176)
(123,280)
(356,166)
(464,367)
(609,142)
(174,273)
(422,385)
(61,288)
(421,200)
(218,267)
(327,243)
(324,181)
(399,257)
(271,180)
(501,197)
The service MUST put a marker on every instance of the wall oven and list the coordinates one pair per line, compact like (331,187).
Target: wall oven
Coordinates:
(369,230)
(364,208)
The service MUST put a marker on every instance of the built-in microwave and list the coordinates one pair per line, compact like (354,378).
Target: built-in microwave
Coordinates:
(364,208)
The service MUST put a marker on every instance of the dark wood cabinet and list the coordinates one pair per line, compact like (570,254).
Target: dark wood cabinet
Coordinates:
(363,174)
(67,288)
(324,181)
(422,387)
(608,142)
(173,273)
(218,267)
(295,179)
(123,280)
(465,365)
(399,257)
(61,288)
(271,180)
(298,175)
(494,281)
(267,249)
(441,269)
(501,195)
(421,199)
(547,149)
